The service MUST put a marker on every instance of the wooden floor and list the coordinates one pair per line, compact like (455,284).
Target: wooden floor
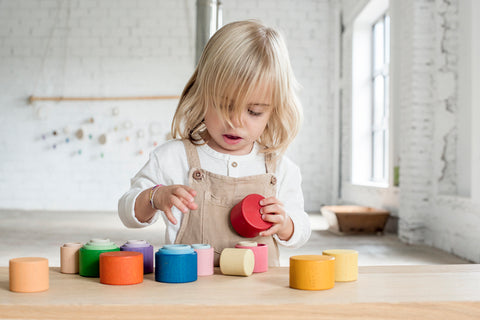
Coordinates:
(26,234)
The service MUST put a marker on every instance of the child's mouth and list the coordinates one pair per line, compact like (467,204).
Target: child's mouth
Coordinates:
(231,139)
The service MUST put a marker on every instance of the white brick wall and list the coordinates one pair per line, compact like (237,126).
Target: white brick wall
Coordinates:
(446,91)
(127,48)
(416,117)
(426,72)
(85,48)
(452,224)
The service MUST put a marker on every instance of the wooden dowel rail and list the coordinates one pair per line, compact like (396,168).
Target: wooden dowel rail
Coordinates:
(32,99)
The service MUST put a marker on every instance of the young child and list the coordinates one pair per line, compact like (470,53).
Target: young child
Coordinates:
(236,116)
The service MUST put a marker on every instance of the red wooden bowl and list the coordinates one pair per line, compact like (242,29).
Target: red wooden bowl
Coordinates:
(246,218)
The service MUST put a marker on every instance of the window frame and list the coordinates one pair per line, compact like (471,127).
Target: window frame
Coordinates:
(362,103)
(381,128)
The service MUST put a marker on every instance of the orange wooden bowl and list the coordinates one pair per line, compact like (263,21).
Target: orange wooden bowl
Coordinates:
(121,267)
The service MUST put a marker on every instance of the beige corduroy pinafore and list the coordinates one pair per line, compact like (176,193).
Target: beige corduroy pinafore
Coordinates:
(216,196)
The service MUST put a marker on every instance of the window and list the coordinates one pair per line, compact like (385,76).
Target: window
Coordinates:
(380,94)
(370,95)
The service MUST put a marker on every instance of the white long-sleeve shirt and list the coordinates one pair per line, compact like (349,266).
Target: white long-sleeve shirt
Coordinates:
(168,165)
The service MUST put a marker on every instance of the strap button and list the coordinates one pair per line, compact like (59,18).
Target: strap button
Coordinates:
(197,175)
(273,180)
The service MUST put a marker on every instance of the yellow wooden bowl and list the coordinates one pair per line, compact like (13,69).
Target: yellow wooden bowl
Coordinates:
(312,272)
(346,264)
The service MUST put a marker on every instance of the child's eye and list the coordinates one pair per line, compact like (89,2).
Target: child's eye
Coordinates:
(253,113)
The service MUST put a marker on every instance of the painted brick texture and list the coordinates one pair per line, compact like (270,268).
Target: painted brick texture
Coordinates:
(430,209)
(103,48)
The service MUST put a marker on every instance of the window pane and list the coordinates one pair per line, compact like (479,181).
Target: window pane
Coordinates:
(370,117)
(378,46)
(387,95)
(378,100)
(387,39)
(378,155)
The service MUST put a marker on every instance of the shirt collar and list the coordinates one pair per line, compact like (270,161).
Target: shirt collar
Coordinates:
(223,156)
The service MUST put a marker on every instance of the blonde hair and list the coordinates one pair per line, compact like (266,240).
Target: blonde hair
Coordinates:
(236,60)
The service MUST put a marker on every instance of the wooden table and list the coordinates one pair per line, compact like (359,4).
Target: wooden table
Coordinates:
(381,292)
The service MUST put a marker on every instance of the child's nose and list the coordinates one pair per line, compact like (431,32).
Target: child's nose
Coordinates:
(236,122)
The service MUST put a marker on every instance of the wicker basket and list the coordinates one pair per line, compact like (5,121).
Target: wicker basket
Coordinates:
(347,219)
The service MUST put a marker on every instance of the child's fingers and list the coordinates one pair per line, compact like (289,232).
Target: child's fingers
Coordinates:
(184,193)
(186,197)
(170,216)
(274,213)
(273,218)
(269,201)
(177,202)
(191,191)
(190,205)
(270,232)
(273,208)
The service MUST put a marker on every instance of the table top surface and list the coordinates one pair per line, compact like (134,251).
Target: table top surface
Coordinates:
(452,285)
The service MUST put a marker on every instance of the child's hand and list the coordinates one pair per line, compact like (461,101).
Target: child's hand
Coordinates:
(272,211)
(176,195)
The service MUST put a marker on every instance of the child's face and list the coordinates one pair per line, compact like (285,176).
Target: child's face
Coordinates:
(239,139)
